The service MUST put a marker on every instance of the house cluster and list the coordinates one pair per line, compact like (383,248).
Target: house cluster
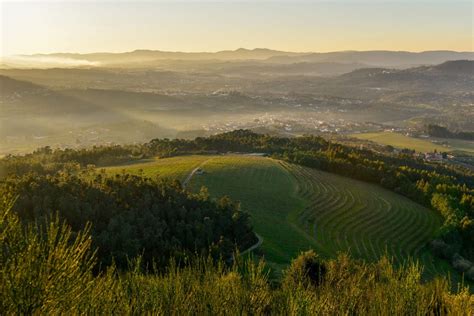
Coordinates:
(292,124)
(434,157)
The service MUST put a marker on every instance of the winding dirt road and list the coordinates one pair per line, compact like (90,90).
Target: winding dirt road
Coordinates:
(191,174)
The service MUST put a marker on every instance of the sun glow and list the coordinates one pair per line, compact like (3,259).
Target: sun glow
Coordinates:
(42,27)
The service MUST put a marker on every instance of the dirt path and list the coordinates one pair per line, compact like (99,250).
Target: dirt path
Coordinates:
(191,174)
(251,248)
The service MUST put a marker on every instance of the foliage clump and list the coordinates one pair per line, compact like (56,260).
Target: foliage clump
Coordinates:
(307,269)
(43,267)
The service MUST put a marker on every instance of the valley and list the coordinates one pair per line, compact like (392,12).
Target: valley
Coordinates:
(81,107)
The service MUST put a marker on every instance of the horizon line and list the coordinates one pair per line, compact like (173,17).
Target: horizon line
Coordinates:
(235,50)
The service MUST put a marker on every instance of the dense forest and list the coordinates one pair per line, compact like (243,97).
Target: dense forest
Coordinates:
(447,189)
(132,215)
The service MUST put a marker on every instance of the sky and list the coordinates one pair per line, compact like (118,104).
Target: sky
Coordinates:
(303,26)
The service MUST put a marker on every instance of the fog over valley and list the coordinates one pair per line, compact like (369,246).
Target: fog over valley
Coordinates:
(90,99)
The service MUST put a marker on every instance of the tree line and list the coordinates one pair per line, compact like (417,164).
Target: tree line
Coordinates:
(442,132)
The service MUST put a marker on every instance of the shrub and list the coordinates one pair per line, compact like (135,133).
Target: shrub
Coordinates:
(43,266)
(470,274)
(307,269)
(443,250)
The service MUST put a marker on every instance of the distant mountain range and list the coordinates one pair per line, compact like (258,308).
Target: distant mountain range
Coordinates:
(142,58)
(150,55)
(378,58)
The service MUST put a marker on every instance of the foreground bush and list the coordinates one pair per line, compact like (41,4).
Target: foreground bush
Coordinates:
(48,270)
(305,270)
(43,268)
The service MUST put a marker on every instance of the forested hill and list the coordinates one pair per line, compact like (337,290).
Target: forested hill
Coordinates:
(447,189)
(133,216)
(454,76)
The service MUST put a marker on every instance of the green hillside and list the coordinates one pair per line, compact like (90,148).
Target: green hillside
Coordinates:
(402,141)
(296,208)
(363,219)
(268,192)
(173,168)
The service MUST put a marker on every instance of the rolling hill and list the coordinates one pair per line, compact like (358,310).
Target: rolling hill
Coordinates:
(457,75)
(296,208)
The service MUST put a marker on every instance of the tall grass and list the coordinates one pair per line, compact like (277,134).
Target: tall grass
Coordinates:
(47,269)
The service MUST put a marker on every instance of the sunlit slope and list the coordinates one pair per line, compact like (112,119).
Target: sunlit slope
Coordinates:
(296,208)
(268,192)
(418,144)
(173,168)
(401,141)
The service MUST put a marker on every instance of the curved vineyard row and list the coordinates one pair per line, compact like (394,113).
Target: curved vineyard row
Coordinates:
(346,215)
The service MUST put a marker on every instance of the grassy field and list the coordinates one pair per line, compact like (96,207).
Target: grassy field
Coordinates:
(418,144)
(464,146)
(402,141)
(173,168)
(296,208)
(269,192)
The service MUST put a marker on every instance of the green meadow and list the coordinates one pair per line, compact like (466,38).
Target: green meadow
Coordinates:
(402,141)
(418,144)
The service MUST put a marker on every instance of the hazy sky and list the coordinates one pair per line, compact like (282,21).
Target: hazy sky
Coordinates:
(91,26)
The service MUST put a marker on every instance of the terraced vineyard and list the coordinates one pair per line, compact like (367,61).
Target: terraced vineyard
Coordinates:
(367,221)
(296,208)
